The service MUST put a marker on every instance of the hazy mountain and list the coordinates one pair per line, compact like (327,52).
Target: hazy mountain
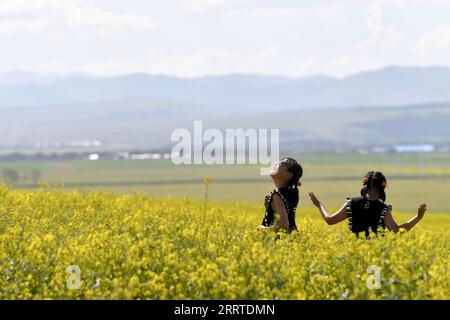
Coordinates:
(120,123)
(20,78)
(352,127)
(386,87)
(142,110)
(147,124)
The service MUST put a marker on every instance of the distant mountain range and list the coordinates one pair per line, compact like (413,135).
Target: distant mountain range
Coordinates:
(401,105)
(391,86)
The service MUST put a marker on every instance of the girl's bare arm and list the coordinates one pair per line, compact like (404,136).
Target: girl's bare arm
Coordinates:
(278,206)
(393,226)
(334,218)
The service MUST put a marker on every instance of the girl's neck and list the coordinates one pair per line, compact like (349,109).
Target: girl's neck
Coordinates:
(372,196)
(280,184)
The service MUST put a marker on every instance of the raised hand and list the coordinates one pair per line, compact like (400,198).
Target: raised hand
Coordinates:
(314,199)
(421,210)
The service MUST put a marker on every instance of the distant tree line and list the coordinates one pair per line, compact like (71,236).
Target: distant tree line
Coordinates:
(13,176)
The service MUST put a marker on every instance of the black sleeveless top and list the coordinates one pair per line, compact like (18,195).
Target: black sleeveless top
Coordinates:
(288,196)
(363,214)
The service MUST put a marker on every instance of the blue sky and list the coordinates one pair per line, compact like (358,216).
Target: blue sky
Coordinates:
(191,38)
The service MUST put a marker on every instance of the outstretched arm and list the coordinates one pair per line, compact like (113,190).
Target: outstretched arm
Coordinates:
(393,226)
(334,218)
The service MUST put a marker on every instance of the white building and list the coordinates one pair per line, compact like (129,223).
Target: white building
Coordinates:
(420,148)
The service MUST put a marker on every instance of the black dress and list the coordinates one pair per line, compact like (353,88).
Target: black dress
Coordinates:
(364,215)
(289,198)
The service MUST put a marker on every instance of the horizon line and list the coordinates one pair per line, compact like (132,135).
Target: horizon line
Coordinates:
(213,75)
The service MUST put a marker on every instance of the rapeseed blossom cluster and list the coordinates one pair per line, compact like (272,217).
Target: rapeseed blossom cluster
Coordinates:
(56,244)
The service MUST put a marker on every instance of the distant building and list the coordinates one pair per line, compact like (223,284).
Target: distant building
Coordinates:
(380,149)
(94,157)
(146,156)
(420,148)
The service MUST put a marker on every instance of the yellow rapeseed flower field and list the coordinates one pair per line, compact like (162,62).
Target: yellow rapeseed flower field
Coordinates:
(56,244)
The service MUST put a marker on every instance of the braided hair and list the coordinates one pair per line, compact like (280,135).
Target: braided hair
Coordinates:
(374,179)
(297,172)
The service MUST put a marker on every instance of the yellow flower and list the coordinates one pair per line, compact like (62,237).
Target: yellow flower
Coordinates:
(140,247)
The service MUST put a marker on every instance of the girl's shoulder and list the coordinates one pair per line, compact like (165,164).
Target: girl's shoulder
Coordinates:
(279,190)
(284,193)
(355,201)
(269,196)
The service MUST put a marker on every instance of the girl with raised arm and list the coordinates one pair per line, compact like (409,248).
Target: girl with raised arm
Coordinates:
(368,211)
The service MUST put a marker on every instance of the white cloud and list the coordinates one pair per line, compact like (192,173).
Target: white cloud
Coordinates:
(383,37)
(346,65)
(318,11)
(9,27)
(403,3)
(212,61)
(92,17)
(222,36)
(302,67)
(14,7)
(66,15)
(435,40)
(261,8)
(51,67)
(202,5)
(108,67)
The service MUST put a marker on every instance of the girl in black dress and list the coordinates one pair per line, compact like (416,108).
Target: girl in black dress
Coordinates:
(281,203)
(369,211)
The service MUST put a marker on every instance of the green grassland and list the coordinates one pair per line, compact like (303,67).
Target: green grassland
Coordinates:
(412,178)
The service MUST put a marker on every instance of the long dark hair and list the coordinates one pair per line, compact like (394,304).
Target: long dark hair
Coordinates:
(374,179)
(297,172)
